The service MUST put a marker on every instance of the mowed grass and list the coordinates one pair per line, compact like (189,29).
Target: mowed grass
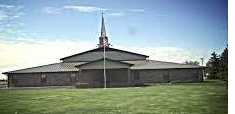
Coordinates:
(209,97)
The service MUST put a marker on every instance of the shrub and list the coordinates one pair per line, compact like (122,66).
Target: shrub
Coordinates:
(81,85)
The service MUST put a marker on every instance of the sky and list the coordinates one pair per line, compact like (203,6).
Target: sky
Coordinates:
(41,32)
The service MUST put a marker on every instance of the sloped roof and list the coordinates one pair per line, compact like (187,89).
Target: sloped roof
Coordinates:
(72,66)
(102,49)
(153,64)
(56,67)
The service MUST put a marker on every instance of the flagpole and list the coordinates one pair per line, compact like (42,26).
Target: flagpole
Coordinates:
(103,36)
(104,66)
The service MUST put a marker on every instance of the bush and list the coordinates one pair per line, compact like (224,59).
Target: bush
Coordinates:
(81,85)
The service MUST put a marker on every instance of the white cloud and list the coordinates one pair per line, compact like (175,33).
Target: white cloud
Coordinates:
(6,6)
(89,9)
(170,54)
(116,14)
(137,10)
(124,12)
(78,8)
(85,9)
(51,10)
(3,15)
(24,53)
(8,17)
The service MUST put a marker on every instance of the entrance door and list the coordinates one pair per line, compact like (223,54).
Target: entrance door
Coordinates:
(117,77)
(95,77)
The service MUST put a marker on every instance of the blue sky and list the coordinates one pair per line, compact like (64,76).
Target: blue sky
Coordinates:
(192,26)
(181,23)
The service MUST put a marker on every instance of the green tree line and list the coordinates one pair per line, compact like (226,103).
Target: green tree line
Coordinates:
(217,66)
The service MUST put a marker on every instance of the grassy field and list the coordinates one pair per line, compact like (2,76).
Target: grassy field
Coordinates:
(209,97)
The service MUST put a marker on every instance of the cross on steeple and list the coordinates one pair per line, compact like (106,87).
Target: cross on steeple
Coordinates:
(103,39)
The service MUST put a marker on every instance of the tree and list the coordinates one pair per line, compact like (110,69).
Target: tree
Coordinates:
(192,62)
(218,66)
(213,66)
(224,65)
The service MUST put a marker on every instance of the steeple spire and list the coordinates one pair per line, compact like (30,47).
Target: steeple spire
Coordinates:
(103,39)
(103,31)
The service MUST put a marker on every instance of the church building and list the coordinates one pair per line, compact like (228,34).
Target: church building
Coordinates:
(105,67)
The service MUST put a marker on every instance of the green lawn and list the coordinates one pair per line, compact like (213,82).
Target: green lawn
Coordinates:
(209,97)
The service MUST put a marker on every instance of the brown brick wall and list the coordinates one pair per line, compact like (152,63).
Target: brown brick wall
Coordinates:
(169,75)
(115,77)
(34,79)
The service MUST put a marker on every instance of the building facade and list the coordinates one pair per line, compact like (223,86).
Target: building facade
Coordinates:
(122,68)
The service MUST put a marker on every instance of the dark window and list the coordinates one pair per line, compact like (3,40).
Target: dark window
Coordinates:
(12,81)
(43,78)
(136,75)
(72,77)
(166,78)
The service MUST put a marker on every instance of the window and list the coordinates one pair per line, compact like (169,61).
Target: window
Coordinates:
(136,75)
(72,77)
(43,78)
(166,78)
(12,81)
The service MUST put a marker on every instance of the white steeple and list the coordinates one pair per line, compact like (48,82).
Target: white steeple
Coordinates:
(103,39)
(103,31)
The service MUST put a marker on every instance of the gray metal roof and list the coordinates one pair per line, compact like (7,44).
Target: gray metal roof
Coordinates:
(152,64)
(56,67)
(111,53)
(138,64)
